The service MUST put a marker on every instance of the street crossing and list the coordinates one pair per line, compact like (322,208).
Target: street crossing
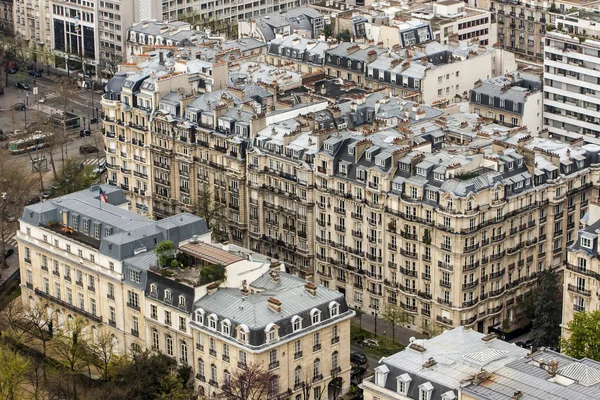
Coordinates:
(93,161)
(11,240)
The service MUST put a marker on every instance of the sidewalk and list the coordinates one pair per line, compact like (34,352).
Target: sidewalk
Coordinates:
(402,334)
(13,265)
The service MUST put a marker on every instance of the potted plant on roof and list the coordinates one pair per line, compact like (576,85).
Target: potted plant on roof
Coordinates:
(66,229)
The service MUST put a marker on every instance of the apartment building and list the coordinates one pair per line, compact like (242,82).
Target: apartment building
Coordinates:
(433,245)
(432,73)
(542,374)
(514,100)
(298,53)
(439,368)
(89,258)
(571,79)
(171,292)
(32,23)
(7,16)
(305,21)
(292,328)
(582,269)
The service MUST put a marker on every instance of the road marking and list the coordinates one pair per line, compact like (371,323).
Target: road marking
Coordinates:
(93,161)
(11,240)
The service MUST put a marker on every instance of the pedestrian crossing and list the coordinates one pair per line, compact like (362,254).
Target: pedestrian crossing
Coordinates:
(11,240)
(93,161)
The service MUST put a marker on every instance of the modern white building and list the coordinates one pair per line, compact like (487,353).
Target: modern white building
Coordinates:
(572,78)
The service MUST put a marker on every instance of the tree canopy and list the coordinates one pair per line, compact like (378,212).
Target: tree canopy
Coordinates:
(73,176)
(584,339)
(545,331)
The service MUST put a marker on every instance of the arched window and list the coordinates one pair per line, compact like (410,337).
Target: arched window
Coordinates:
(226,378)
(201,367)
(315,316)
(297,377)
(199,316)
(334,360)
(273,386)
(296,323)
(169,345)
(212,322)
(243,333)
(225,327)
(334,308)
(213,373)
(184,352)
(155,339)
(316,369)
(271,332)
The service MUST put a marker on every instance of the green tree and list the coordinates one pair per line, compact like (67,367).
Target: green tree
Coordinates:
(394,315)
(164,251)
(13,368)
(344,36)
(584,339)
(328,31)
(545,330)
(73,176)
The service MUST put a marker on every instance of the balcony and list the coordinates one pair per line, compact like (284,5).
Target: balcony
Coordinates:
(135,332)
(134,306)
(445,284)
(470,285)
(470,267)
(69,306)
(444,320)
(445,266)
(201,378)
(273,365)
(317,347)
(572,288)
(213,383)
(212,352)
(470,303)
(578,308)
(335,340)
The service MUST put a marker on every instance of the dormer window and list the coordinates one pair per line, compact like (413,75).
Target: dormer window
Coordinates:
(404,167)
(450,395)
(425,391)
(315,316)
(225,327)
(328,147)
(381,373)
(368,156)
(271,333)
(168,296)
(510,165)
(343,169)
(380,162)
(334,308)
(243,333)
(182,301)
(212,322)
(296,323)
(403,383)
(199,316)
(586,242)
(153,290)
(351,150)
(421,171)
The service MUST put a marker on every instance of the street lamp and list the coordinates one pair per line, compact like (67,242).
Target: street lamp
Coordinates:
(375,313)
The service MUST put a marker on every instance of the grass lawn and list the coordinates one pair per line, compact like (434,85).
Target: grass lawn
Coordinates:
(387,348)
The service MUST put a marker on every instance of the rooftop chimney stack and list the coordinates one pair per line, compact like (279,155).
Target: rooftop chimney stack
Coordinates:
(311,288)
(274,304)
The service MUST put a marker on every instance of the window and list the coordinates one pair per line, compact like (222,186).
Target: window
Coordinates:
(212,322)
(182,324)
(182,302)
(272,357)
(134,276)
(168,296)
(155,339)
(184,352)
(213,372)
(586,242)
(316,369)
(153,311)
(200,367)
(296,323)
(334,360)
(334,309)
(168,318)
(242,357)
(169,345)
(315,316)
(133,299)
(316,341)
(297,377)
(243,334)
(111,291)
(225,327)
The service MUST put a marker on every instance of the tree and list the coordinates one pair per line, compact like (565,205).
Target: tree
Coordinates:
(212,211)
(584,339)
(328,31)
(66,90)
(344,36)
(431,330)
(12,374)
(164,251)
(73,176)
(103,351)
(249,383)
(37,321)
(12,318)
(394,315)
(110,63)
(545,330)
(307,387)
(16,189)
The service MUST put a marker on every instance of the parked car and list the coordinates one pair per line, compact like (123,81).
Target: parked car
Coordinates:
(94,120)
(371,343)
(23,85)
(35,74)
(101,168)
(358,358)
(33,200)
(87,149)
(3,137)
(84,132)
(19,107)
(9,252)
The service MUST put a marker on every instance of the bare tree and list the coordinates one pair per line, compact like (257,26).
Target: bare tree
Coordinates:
(212,211)
(394,315)
(12,318)
(65,90)
(111,63)
(103,350)
(250,383)
(70,346)
(308,389)
(37,321)
(15,189)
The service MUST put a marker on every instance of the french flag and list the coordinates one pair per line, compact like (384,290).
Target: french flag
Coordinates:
(103,196)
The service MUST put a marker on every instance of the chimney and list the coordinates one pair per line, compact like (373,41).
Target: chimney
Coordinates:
(274,275)
(371,55)
(226,246)
(245,291)
(311,288)
(274,304)
(552,367)
(161,58)
(210,289)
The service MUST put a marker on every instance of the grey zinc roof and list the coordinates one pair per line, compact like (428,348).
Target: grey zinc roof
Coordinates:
(534,382)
